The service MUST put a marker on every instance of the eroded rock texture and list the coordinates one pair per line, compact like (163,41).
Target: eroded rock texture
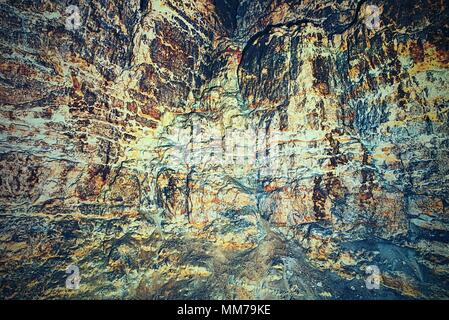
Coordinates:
(350,169)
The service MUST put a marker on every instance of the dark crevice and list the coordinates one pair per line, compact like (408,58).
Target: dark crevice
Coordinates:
(143,5)
(266,32)
(268,29)
(227,11)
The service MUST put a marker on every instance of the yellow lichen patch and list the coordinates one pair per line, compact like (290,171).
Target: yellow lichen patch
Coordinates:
(354,72)
(84,250)
(320,248)
(236,241)
(425,57)
(235,246)
(242,293)
(188,271)
(347,259)
(385,154)
(199,226)
(320,251)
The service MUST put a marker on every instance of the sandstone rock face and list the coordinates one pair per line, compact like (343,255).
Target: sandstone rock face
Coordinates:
(224,149)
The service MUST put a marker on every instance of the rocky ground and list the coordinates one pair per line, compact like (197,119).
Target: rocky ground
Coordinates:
(233,149)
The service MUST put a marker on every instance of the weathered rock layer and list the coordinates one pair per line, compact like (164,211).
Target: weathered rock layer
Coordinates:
(224,149)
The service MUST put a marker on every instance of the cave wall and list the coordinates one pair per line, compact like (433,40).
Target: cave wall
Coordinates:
(121,146)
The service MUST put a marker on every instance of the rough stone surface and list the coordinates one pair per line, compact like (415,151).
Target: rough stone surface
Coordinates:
(352,169)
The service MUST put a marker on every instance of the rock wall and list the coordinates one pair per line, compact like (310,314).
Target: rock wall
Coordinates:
(224,149)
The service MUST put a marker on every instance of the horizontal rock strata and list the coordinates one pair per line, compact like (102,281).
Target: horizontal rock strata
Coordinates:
(228,149)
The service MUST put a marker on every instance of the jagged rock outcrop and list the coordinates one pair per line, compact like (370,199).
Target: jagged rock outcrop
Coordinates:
(224,149)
